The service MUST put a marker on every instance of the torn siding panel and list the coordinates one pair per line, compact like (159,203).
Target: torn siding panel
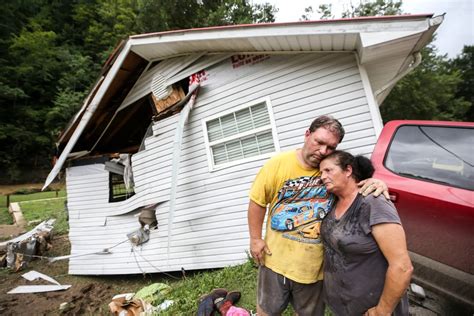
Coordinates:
(170,71)
(166,67)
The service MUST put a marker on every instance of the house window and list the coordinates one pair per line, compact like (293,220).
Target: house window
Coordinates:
(245,134)
(118,190)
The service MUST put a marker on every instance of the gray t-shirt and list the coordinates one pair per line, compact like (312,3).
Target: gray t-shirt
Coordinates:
(354,266)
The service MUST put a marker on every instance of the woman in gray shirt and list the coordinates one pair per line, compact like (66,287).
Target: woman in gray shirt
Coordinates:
(366,264)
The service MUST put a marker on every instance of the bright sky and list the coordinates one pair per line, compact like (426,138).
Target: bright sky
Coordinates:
(456,31)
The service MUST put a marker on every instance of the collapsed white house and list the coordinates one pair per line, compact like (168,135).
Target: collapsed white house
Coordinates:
(180,122)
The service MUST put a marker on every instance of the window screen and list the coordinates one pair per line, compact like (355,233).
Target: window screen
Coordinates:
(241,134)
(434,153)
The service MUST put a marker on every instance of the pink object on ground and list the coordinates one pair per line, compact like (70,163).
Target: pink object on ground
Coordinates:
(237,311)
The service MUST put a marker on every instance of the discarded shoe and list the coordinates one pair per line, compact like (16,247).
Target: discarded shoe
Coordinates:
(223,305)
(206,302)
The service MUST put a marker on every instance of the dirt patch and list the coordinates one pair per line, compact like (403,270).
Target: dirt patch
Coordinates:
(88,295)
(82,300)
(10,231)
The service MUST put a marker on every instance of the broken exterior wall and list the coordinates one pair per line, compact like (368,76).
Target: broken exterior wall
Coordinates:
(210,220)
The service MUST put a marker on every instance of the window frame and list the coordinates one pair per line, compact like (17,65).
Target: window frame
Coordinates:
(112,197)
(270,127)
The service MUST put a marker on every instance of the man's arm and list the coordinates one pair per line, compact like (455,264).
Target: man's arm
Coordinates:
(374,186)
(391,240)
(256,216)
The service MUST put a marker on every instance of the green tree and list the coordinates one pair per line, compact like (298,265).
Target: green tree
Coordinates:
(373,8)
(51,53)
(362,8)
(164,15)
(464,64)
(428,93)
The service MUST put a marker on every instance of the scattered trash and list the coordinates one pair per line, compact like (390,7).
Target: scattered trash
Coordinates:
(164,305)
(22,249)
(45,226)
(65,307)
(154,294)
(125,304)
(148,301)
(34,275)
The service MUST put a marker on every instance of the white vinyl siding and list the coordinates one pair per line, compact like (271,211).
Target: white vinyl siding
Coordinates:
(210,227)
(240,135)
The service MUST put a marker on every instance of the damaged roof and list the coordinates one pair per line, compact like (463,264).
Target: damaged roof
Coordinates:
(385,45)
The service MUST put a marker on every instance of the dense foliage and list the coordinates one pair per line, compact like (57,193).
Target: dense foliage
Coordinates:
(52,51)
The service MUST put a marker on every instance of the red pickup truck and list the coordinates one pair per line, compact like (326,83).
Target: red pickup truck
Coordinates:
(429,169)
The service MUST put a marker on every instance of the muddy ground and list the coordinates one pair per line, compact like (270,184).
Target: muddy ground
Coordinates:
(87,295)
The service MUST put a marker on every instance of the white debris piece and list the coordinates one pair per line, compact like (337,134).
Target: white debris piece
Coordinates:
(38,288)
(34,275)
(46,226)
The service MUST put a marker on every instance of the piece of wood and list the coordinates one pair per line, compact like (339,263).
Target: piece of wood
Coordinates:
(176,95)
(17,214)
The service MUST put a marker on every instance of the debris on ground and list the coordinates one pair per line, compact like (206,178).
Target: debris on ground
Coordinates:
(154,294)
(17,215)
(17,252)
(34,275)
(222,301)
(125,304)
(147,301)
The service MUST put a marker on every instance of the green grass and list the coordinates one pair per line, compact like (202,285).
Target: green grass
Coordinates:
(30,197)
(46,209)
(6,218)
(242,278)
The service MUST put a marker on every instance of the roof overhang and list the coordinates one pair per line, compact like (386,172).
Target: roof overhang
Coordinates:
(385,46)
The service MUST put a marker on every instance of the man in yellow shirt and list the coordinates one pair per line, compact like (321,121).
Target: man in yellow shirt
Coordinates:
(291,255)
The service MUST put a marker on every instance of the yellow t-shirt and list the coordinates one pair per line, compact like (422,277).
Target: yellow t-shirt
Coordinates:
(298,202)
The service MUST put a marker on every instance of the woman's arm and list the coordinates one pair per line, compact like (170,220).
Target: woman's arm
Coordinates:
(391,240)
